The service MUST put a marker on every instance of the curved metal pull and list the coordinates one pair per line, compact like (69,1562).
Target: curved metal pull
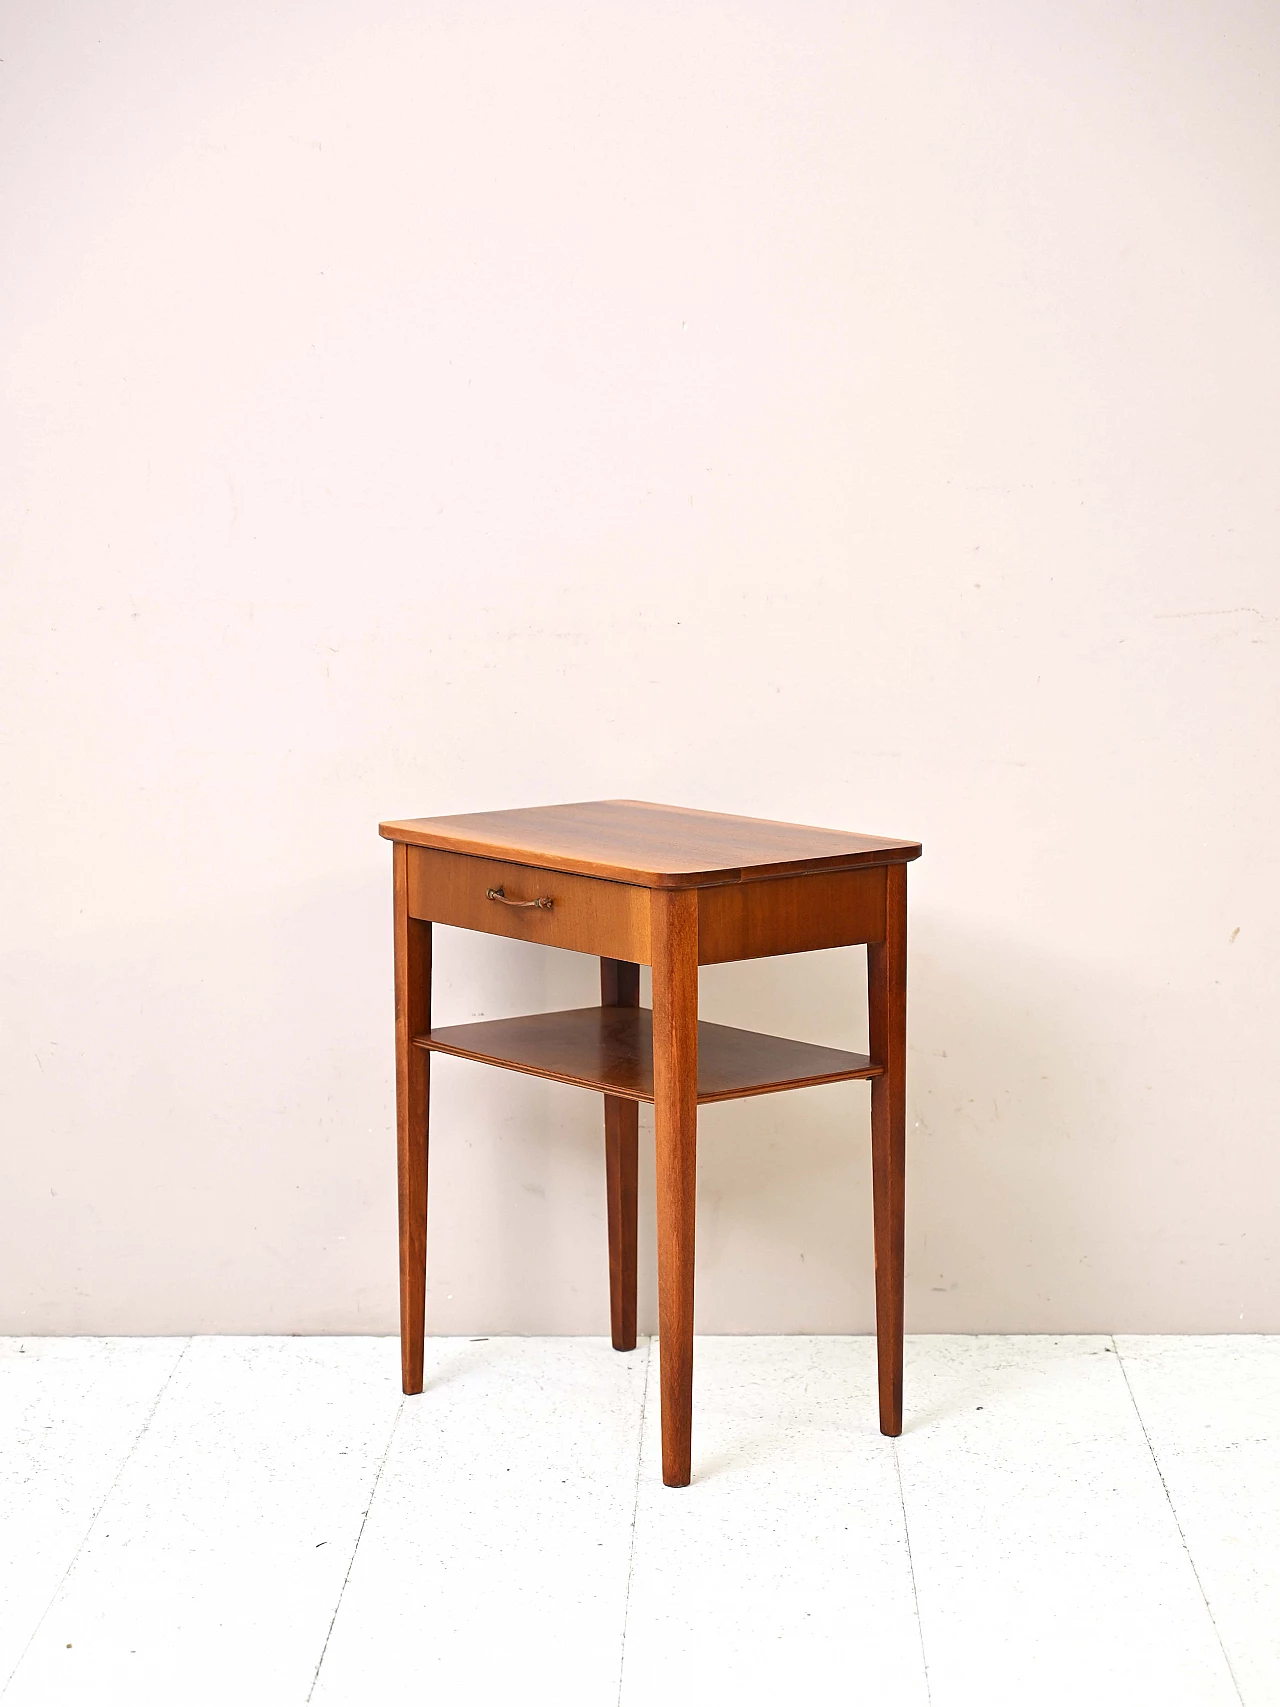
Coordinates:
(543,901)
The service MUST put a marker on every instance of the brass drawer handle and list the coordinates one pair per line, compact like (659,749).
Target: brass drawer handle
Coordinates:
(543,901)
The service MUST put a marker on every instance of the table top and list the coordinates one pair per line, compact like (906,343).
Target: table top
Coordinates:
(657,847)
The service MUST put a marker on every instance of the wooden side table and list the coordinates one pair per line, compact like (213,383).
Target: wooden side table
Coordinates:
(660,886)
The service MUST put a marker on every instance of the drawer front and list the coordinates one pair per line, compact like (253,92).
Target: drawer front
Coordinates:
(588,914)
(790,915)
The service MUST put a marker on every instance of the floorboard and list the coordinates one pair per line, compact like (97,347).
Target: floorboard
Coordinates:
(71,1411)
(212,1571)
(493,1567)
(782,1573)
(1211,1409)
(1048,1565)
(267,1522)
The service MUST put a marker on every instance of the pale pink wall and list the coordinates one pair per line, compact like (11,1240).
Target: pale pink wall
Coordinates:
(858,413)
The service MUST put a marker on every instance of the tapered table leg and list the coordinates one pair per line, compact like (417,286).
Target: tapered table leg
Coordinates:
(620,988)
(887,1005)
(675,1115)
(413,1085)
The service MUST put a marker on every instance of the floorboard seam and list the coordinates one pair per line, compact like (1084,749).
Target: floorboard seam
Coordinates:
(635,1508)
(373,1492)
(911,1567)
(1173,1510)
(98,1511)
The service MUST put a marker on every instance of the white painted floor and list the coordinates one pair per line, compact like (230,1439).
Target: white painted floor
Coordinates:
(244,1521)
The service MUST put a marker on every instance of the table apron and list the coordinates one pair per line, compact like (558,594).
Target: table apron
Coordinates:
(588,914)
(791,915)
(736,921)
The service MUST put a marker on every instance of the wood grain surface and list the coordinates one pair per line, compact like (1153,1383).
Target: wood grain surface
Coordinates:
(676,1061)
(887,1009)
(587,914)
(790,915)
(412,957)
(611,1050)
(620,988)
(637,841)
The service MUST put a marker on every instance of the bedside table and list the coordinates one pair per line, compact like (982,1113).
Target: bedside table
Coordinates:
(643,885)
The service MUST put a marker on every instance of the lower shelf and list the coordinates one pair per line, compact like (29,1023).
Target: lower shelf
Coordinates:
(611,1050)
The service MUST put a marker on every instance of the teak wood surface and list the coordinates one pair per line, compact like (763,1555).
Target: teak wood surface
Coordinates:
(675,1139)
(412,956)
(635,883)
(658,847)
(611,1050)
(887,1024)
(790,915)
(593,917)
(620,989)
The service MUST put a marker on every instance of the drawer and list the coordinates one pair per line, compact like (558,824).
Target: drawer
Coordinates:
(588,914)
(790,915)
